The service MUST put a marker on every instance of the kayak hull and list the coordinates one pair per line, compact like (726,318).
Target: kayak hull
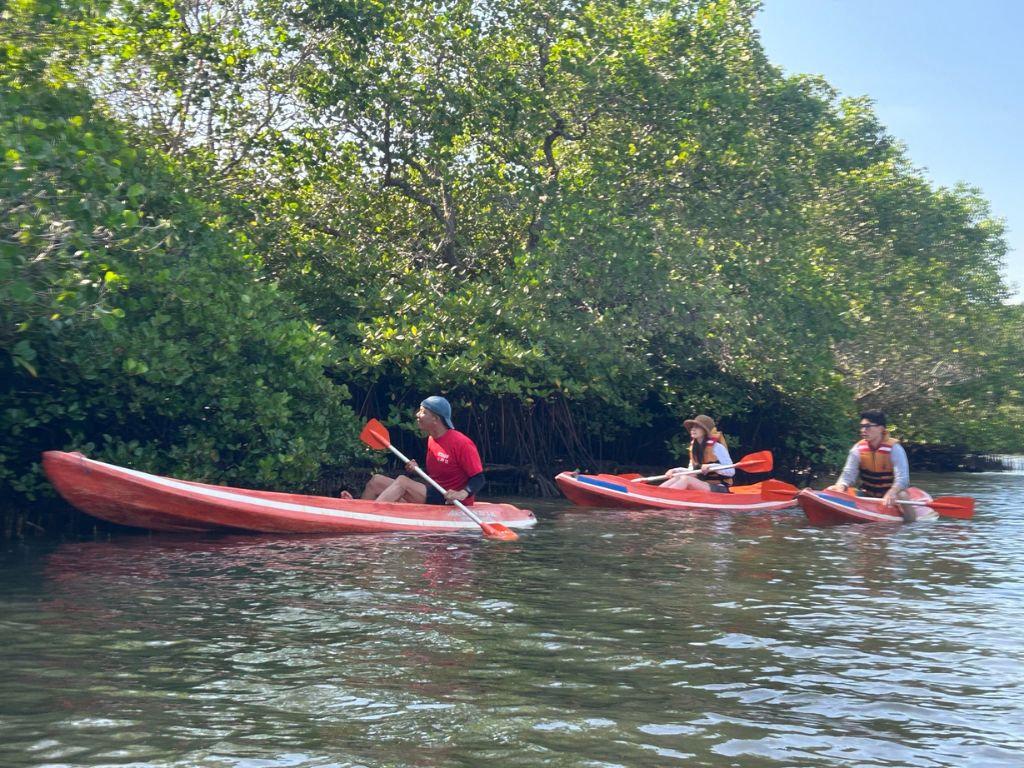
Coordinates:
(142,500)
(829,508)
(613,491)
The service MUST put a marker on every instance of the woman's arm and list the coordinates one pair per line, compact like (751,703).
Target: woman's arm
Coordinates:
(722,457)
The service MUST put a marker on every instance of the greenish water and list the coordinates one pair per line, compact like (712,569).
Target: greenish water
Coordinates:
(598,639)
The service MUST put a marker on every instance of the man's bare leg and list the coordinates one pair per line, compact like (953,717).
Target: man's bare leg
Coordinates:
(376,486)
(403,489)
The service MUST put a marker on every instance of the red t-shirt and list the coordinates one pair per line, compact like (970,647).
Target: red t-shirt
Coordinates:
(452,460)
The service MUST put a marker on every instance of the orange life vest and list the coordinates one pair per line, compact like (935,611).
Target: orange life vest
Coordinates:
(876,471)
(709,457)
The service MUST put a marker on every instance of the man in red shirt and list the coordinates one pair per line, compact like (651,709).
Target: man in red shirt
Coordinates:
(452,460)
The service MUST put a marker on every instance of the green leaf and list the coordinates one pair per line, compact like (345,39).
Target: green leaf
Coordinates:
(21,291)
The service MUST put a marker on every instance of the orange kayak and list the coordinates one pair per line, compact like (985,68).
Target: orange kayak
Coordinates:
(141,500)
(829,508)
(618,492)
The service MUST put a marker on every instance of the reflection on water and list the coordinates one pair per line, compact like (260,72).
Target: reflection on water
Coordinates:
(600,638)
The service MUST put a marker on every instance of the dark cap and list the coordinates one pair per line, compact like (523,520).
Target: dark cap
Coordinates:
(441,408)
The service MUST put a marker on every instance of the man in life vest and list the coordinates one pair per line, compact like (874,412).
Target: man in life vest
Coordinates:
(881,464)
(707,452)
(452,460)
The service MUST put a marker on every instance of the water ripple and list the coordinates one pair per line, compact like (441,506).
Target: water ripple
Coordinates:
(601,638)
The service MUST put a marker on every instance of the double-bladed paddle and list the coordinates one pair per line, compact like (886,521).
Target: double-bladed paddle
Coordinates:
(961,507)
(376,436)
(754,462)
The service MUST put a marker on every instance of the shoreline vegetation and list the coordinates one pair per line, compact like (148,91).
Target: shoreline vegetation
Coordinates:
(232,234)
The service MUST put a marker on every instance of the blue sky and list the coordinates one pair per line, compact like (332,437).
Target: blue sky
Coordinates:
(946,76)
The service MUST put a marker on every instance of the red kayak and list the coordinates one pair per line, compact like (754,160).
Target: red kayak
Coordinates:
(618,492)
(141,500)
(831,508)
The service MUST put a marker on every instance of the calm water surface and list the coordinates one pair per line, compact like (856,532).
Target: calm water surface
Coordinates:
(599,639)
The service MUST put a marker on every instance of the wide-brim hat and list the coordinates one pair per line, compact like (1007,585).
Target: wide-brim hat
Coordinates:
(704,422)
(441,408)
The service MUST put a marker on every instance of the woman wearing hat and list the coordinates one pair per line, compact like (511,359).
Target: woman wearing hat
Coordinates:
(452,460)
(707,452)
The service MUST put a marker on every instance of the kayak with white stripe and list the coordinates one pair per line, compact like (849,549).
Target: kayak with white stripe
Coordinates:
(142,500)
(831,508)
(615,491)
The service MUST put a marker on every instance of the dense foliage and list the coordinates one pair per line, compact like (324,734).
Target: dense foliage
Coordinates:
(226,225)
(139,326)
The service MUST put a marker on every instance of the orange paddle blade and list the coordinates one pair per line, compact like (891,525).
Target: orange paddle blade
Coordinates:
(498,531)
(953,506)
(375,435)
(756,462)
(777,490)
